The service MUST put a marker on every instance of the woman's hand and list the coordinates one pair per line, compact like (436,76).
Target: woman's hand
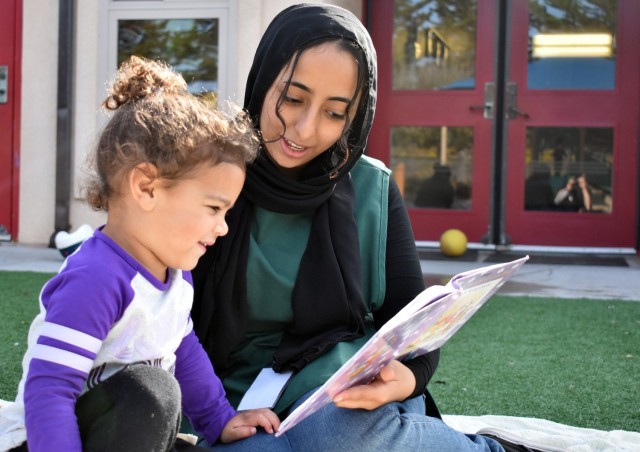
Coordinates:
(394,383)
(244,424)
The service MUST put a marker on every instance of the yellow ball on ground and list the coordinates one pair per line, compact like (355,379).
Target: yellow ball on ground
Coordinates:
(453,243)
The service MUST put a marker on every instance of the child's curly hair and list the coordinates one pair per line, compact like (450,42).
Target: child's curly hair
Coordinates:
(158,121)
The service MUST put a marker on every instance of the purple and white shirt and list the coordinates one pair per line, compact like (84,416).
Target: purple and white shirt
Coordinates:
(102,312)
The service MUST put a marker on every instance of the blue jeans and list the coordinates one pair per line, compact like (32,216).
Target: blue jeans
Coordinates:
(392,427)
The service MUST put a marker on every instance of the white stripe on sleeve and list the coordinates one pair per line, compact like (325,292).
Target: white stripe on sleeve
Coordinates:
(62,357)
(71,336)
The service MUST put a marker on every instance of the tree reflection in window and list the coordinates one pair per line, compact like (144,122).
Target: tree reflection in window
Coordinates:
(434,44)
(189,45)
(420,153)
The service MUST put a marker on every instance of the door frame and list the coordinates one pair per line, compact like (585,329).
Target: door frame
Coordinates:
(615,231)
(12,18)
(394,108)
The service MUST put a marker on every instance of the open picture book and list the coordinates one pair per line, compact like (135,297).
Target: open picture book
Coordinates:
(424,324)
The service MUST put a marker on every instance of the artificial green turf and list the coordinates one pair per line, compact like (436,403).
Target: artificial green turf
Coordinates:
(575,362)
(18,307)
(570,361)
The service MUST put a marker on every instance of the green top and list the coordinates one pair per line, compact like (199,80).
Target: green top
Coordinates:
(277,242)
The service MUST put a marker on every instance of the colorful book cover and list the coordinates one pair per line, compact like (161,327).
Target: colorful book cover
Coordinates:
(423,325)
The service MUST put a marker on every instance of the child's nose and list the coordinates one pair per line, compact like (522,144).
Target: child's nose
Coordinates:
(221,228)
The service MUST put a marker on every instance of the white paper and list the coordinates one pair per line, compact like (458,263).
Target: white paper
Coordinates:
(265,390)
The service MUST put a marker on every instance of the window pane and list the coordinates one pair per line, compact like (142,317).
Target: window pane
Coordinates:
(569,169)
(433,166)
(572,44)
(189,45)
(434,44)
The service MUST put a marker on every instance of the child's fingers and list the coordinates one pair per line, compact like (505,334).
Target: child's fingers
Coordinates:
(273,419)
(267,420)
(240,432)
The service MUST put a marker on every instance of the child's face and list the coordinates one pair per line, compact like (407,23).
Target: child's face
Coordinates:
(190,215)
(314,109)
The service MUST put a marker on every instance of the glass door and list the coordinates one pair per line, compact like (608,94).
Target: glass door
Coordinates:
(572,123)
(435,111)
(515,121)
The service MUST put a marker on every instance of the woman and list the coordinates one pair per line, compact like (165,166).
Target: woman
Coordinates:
(320,250)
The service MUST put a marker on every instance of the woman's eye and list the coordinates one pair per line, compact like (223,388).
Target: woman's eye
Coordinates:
(214,209)
(292,100)
(336,115)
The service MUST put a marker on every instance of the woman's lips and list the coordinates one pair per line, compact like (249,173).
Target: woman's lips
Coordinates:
(292,149)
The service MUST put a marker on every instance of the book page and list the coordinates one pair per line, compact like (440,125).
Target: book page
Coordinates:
(423,325)
(427,296)
(433,326)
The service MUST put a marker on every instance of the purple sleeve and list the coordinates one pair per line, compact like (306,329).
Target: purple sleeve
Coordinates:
(204,401)
(79,314)
(50,398)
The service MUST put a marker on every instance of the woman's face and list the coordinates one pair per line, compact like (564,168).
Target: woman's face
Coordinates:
(314,108)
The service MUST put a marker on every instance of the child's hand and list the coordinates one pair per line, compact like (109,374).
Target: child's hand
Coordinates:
(244,424)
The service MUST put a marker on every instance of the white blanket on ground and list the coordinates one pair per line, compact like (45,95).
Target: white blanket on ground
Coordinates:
(12,431)
(546,435)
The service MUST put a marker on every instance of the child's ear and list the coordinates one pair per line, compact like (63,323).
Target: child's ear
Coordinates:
(143,181)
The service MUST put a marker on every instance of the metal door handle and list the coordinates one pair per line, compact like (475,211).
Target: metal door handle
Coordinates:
(480,107)
(512,102)
(4,84)
(489,102)
(513,112)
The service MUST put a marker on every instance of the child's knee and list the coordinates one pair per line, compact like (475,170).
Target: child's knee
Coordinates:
(150,389)
(138,406)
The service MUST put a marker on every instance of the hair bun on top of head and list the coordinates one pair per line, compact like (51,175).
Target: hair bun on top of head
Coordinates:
(139,77)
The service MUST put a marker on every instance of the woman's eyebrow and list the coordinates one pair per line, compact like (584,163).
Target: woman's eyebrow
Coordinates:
(309,90)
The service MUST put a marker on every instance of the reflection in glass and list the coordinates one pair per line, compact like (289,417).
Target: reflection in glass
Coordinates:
(189,45)
(433,166)
(569,169)
(434,44)
(572,44)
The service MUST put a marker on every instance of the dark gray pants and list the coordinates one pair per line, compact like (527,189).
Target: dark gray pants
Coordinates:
(138,409)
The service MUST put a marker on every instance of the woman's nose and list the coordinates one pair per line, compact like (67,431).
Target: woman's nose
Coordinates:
(305,124)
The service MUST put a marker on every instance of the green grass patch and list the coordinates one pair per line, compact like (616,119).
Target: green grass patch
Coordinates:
(570,361)
(18,307)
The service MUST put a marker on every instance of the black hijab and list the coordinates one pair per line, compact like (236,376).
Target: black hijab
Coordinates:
(327,301)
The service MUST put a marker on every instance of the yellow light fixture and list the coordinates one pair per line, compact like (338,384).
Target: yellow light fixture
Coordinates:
(572,45)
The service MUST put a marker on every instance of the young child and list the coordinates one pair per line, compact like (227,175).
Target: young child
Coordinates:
(112,359)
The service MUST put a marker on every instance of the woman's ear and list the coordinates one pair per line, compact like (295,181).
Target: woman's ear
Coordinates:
(143,181)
